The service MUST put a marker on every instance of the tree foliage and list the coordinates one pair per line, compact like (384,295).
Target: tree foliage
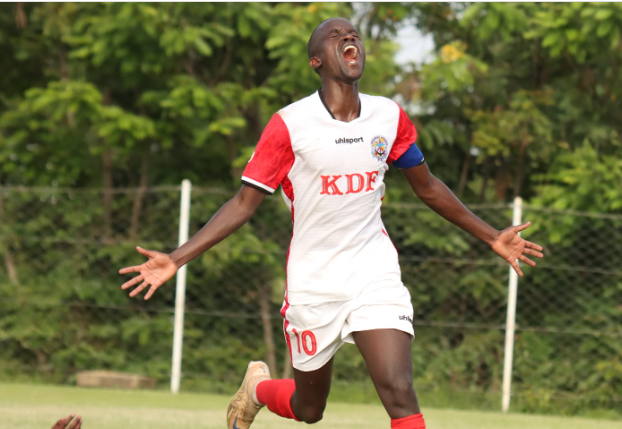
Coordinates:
(520,100)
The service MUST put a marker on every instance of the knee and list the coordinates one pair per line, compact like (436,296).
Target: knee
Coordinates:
(398,393)
(403,387)
(397,386)
(311,413)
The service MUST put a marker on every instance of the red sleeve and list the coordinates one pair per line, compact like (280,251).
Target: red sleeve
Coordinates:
(272,159)
(405,137)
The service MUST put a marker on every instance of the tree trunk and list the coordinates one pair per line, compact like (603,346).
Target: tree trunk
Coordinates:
(9,263)
(139,197)
(64,75)
(521,167)
(465,173)
(107,193)
(232,153)
(482,189)
(43,361)
(266,321)
(62,63)
(228,51)
(20,17)
(287,364)
(107,180)
(502,180)
(253,118)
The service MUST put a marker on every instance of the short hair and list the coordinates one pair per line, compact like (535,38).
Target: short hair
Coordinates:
(313,44)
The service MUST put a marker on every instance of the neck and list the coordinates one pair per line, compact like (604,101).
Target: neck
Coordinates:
(342,99)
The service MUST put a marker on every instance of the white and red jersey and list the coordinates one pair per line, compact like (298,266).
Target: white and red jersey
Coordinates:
(332,179)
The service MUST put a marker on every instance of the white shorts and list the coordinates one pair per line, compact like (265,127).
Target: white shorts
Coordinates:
(314,332)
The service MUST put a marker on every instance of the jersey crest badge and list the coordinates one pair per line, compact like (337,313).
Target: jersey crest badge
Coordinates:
(380,148)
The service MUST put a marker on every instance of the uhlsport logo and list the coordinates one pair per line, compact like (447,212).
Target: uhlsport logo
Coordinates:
(408,318)
(346,140)
(380,148)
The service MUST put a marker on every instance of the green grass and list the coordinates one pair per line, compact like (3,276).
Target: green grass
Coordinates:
(37,407)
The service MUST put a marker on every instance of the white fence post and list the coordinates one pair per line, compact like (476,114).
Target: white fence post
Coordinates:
(180,288)
(511,318)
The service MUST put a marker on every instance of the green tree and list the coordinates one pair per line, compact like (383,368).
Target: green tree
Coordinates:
(520,99)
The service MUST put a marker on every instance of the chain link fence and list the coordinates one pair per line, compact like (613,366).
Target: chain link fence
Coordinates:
(62,309)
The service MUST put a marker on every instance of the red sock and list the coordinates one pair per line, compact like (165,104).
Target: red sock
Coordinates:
(411,422)
(277,394)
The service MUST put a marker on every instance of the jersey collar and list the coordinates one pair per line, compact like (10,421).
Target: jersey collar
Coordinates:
(319,93)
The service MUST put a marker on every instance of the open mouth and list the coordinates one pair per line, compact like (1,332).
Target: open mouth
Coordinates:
(351,54)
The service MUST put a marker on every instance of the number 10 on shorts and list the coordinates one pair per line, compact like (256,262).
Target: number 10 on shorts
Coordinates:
(305,338)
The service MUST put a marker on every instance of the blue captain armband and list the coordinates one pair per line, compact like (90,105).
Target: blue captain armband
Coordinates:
(411,158)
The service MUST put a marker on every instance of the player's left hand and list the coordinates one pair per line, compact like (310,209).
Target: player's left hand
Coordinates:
(67,423)
(510,246)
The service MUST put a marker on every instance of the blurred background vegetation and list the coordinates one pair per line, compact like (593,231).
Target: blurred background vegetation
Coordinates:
(520,99)
(516,100)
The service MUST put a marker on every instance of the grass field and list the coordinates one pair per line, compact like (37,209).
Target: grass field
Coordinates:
(25,406)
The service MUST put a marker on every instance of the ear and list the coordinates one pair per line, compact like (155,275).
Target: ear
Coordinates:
(315,63)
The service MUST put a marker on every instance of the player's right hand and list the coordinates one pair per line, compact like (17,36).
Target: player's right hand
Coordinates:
(155,272)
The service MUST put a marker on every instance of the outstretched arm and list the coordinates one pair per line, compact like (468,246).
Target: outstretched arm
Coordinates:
(436,195)
(231,216)
(161,266)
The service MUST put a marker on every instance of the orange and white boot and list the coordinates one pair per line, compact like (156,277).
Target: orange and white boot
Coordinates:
(243,408)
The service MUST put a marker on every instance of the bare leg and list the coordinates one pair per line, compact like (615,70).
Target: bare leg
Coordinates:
(388,357)
(312,388)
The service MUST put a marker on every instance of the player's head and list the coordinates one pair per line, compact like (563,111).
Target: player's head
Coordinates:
(336,50)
